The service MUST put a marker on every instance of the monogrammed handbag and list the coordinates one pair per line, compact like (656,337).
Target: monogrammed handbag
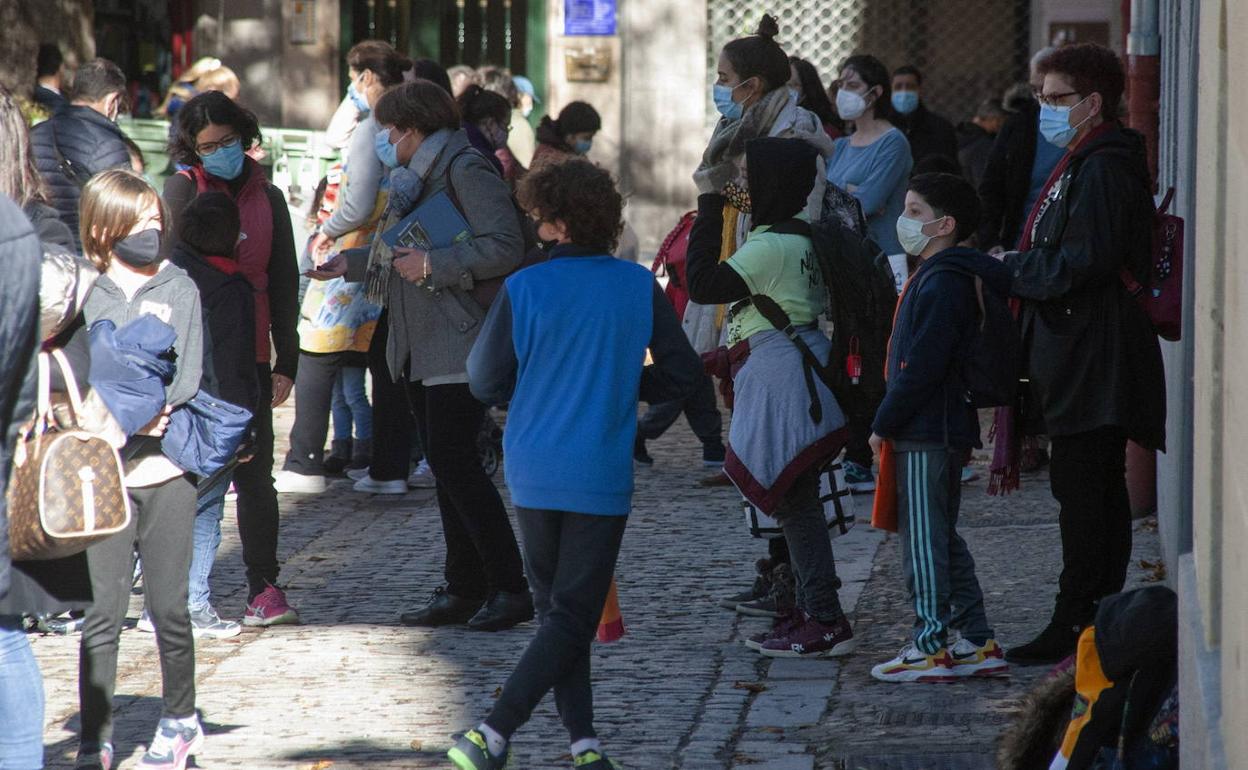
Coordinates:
(67,491)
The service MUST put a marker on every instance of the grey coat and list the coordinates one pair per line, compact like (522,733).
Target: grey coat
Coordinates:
(433,326)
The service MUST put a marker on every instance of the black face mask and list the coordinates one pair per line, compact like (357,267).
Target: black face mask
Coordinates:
(142,249)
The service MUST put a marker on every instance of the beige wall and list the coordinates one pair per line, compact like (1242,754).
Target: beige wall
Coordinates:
(1220,502)
(653,106)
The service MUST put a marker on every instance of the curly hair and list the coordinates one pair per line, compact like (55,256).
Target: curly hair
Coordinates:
(210,107)
(581,195)
(1090,68)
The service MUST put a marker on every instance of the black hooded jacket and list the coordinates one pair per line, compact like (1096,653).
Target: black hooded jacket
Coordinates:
(780,180)
(1006,179)
(1092,353)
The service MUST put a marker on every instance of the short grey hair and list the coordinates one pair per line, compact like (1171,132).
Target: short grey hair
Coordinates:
(1040,56)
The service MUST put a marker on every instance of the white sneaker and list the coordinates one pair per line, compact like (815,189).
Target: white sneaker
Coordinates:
(374,487)
(145,623)
(422,477)
(970,659)
(289,481)
(355,474)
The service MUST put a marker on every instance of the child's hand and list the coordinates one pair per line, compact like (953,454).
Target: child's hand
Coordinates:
(336,267)
(158,425)
(877,444)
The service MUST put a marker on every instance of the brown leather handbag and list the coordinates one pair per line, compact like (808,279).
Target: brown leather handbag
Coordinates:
(68,489)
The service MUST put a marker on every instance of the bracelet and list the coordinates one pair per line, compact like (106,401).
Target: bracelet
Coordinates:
(425,279)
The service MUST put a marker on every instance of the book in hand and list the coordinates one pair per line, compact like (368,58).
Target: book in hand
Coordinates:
(434,224)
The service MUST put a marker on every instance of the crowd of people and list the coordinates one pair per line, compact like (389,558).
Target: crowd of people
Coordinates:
(1033,210)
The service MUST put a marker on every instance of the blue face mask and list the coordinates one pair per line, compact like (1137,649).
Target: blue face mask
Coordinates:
(722,95)
(582,147)
(905,102)
(360,103)
(226,163)
(1055,124)
(387,153)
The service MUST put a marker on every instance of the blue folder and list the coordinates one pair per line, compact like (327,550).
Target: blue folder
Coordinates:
(434,224)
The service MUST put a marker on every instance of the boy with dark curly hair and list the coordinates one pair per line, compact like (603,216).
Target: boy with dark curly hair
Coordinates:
(564,343)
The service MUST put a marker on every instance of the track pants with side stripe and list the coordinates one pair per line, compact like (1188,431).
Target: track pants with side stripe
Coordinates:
(939,570)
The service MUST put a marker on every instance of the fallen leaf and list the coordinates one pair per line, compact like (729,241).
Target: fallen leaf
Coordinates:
(321,764)
(418,745)
(754,687)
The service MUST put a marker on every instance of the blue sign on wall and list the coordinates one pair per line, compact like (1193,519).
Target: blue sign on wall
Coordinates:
(589,17)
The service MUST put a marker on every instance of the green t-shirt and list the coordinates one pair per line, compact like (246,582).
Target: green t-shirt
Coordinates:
(784,268)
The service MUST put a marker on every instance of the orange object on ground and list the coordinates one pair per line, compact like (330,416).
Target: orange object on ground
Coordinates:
(884,510)
(611,625)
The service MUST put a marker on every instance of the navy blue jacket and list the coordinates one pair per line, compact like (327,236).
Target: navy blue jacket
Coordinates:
(926,399)
(86,139)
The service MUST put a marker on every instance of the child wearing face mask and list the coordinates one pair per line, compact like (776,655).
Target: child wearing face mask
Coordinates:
(931,425)
(121,228)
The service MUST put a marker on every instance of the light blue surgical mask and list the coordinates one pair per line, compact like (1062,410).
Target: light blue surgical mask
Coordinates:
(226,162)
(722,95)
(358,100)
(387,153)
(1055,123)
(910,234)
(905,102)
(582,147)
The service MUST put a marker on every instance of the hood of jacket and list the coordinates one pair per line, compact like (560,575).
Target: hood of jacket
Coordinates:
(781,173)
(973,261)
(207,277)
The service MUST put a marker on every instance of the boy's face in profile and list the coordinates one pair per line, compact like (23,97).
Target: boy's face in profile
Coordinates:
(939,227)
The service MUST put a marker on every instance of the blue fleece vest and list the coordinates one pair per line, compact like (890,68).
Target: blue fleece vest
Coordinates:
(580,326)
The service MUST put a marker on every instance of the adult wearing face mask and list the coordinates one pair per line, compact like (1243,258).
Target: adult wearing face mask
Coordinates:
(1018,167)
(82,139)
(434,319)
(872,164)
(1093,357)
(568,136)
(213,135)
(929,134)
(805,83)
(486,116)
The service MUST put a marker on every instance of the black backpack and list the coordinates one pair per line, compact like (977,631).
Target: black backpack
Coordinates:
(991,372)
(862,297)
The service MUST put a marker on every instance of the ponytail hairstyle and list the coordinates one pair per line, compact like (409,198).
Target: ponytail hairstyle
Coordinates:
(814,95)
(760,56)
(875,75)
(477,104)
(379,58)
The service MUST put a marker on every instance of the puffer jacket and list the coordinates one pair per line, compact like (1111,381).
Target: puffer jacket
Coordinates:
(1093,356)
(87,140)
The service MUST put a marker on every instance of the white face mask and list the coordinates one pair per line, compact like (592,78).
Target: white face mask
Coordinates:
(910,234)
(850,105)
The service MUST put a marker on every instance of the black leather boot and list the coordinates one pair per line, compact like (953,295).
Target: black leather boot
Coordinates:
(503,611)
(443,609)
(1054,644)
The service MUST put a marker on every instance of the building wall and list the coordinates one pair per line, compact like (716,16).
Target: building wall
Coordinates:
(1214,619)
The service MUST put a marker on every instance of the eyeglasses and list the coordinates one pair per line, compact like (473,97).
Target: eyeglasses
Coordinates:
(1051,100)
(208,148)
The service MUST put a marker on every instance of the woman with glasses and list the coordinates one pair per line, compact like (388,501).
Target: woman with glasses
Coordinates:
(212,138)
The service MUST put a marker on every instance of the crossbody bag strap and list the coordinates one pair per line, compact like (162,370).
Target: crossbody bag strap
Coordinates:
(776,316)
(70,170)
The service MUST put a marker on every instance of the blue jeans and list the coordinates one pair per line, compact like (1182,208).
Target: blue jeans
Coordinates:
(350,405)
(21,699)
(210,509)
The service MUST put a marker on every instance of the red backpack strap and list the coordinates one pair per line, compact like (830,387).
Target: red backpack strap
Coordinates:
(1165,202)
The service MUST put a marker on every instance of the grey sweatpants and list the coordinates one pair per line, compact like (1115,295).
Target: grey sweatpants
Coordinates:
(938,568)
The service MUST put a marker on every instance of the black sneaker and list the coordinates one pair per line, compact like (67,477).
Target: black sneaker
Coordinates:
(640,455)
(760,588)
(1054,644)
(713,455)
(471,752)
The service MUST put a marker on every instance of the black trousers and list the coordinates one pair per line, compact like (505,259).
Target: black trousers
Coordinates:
(162,518)
(571,558)
(1088,479)
(257,500)
(482,556)
(314,395)
(701,409)
(392,416)
(859,415)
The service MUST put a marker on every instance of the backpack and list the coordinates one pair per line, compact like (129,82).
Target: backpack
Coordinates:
(671,262)
(862,296)
(991,372)
(1161,294)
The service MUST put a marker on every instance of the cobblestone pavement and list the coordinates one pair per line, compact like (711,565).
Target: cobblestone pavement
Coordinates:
(350,688)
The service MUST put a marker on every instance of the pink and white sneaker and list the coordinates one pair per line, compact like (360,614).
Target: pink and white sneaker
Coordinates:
(270,608)
(173,745)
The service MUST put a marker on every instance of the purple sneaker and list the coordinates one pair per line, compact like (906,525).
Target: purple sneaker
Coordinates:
(781,626)
(812,639)
(173,745)
(270,608)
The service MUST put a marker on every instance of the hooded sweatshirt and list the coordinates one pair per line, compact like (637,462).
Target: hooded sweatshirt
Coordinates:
(926,400)
(171,296)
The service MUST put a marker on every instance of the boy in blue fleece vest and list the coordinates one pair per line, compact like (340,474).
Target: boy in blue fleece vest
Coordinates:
(928,416)
(565,342)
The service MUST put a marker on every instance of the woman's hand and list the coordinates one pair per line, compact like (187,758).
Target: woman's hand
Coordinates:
(158,425)
(320,245)
(282,385)
(336,267)
(411,264)
(877,444)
